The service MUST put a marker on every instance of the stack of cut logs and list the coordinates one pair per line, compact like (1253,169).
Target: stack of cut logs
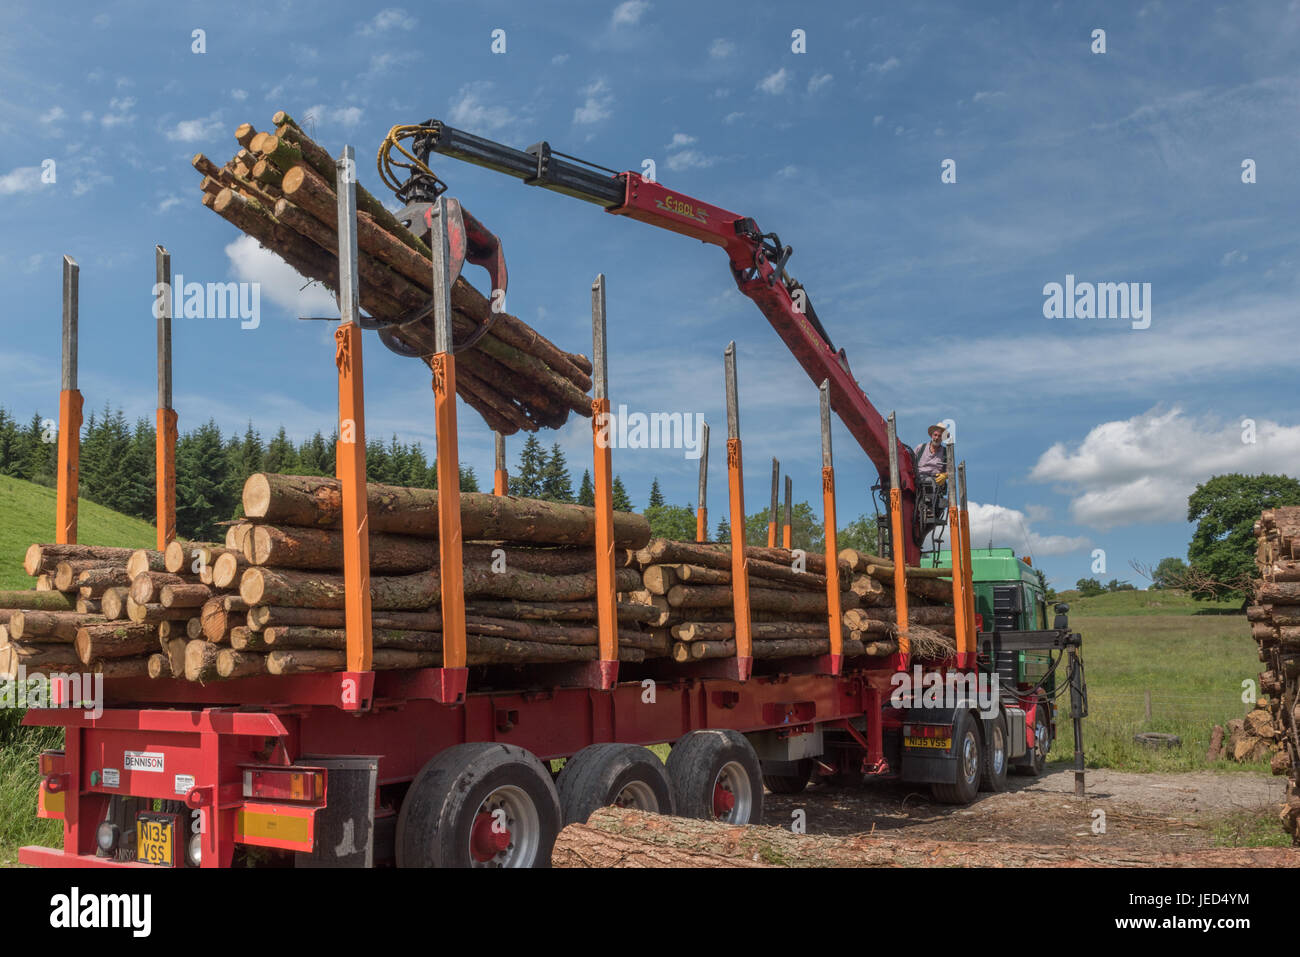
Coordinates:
(271,599)
(688,585)
(1275,625)
(279,189)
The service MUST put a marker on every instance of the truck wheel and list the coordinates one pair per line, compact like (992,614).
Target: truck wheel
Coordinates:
(790,783)
(994,777)
(479,805)
(618,775)
(716,776)
(1036,762)
(970,761)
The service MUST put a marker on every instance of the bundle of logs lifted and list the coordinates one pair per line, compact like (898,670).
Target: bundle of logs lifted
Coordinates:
(279,188)
(271,598)
(1275,625)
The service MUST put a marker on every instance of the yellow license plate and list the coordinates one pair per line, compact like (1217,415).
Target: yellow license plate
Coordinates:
(941,744)
(155,840)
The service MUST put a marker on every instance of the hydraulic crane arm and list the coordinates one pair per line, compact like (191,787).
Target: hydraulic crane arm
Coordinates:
(758,260)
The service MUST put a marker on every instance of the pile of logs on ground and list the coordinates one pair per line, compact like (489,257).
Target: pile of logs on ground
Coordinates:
(1275,625)
(271,598)
(619,837)
(279,189)
(1249,739)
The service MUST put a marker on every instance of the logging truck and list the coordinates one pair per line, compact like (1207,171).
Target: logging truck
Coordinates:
(467,764)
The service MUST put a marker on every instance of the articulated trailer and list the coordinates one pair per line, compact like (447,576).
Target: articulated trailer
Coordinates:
(454,766)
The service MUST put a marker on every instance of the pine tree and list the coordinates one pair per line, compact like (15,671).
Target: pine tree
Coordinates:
(586,491)
(139,497)
(557,484)
(203,483)
(527,480)
(8,443)
(656,496)
(281,456)
(40,458)
(468,480)
(723,533)
(619,494)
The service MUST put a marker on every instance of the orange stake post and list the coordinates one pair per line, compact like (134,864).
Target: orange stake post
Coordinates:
(701,510)
(454,676)
(958,546)
(834,614)
(500,480)
(70,401)
(351,449)
(744,660)
(606,610)
(774,516)
(787,531)
(898,550)
(970,585)
(165,431)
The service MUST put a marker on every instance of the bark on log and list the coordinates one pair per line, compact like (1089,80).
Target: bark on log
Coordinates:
(37,600)
(45,558)
(662,551)
(122,667)
(96,581)
(154,612)
(60,626)
(184,596)
(239,664)
(145,560)
(115,641)
(317,502)
(762,599)
(200,661)
(146,587)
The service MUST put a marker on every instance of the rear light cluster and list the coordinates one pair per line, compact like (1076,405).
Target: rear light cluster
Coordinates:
(927,730)
(285,784)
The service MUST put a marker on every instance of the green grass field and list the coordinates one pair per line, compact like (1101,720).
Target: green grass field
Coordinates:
(27,516)
(1189,657)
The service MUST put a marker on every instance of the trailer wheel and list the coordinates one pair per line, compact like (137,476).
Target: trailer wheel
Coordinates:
(618,775)
(716,776)
(1036,760)
(970,762)
(790,783)
(479,805)
(994,777)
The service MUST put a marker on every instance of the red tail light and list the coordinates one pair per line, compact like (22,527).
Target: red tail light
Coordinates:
(285,784)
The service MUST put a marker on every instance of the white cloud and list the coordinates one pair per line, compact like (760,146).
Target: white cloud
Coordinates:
(54,115)
(239,95)
(559,59)
(985,95)
(890,64)
(597,105)
(392,18)
(819,81)
(629,13)
(721,48)
(1233,257)
(119,113)
(788,171)
(680,139)
(168,202)
(1141,470)
(345,116)
(24,179)
(280,283)
(774,83)
(193,131)
(1011,528)
(877,120)
(690,159)
(470,109)
(732,117)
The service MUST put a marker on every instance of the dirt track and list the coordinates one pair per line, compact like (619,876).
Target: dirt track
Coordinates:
(1156,812)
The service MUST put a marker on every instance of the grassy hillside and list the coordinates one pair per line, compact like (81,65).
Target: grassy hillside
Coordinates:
(1169,602)
(1191,667)
(27,516)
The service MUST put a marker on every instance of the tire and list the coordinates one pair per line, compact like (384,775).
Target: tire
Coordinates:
(1037,757)
(601,775)
(451,812)
(994,775)
(716,776)
(790,783)
(970,762)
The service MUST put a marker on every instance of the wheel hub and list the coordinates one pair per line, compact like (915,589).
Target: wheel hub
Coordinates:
(724,802)
(487,839)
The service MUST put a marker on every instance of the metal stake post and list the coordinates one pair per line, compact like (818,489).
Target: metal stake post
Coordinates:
(774,516)
(787,531)
(70,402)
(165,433)
(898,549)
(701,509)
(834,613)
(500,480)
(744,660)
(960,556)
(606,611)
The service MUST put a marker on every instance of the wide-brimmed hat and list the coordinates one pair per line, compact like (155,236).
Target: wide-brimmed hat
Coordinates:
(930,430)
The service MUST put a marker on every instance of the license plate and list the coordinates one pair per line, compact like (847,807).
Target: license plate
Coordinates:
(941,744)
(155,839)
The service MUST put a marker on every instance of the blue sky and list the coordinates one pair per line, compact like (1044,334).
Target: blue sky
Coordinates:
(1123,166)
